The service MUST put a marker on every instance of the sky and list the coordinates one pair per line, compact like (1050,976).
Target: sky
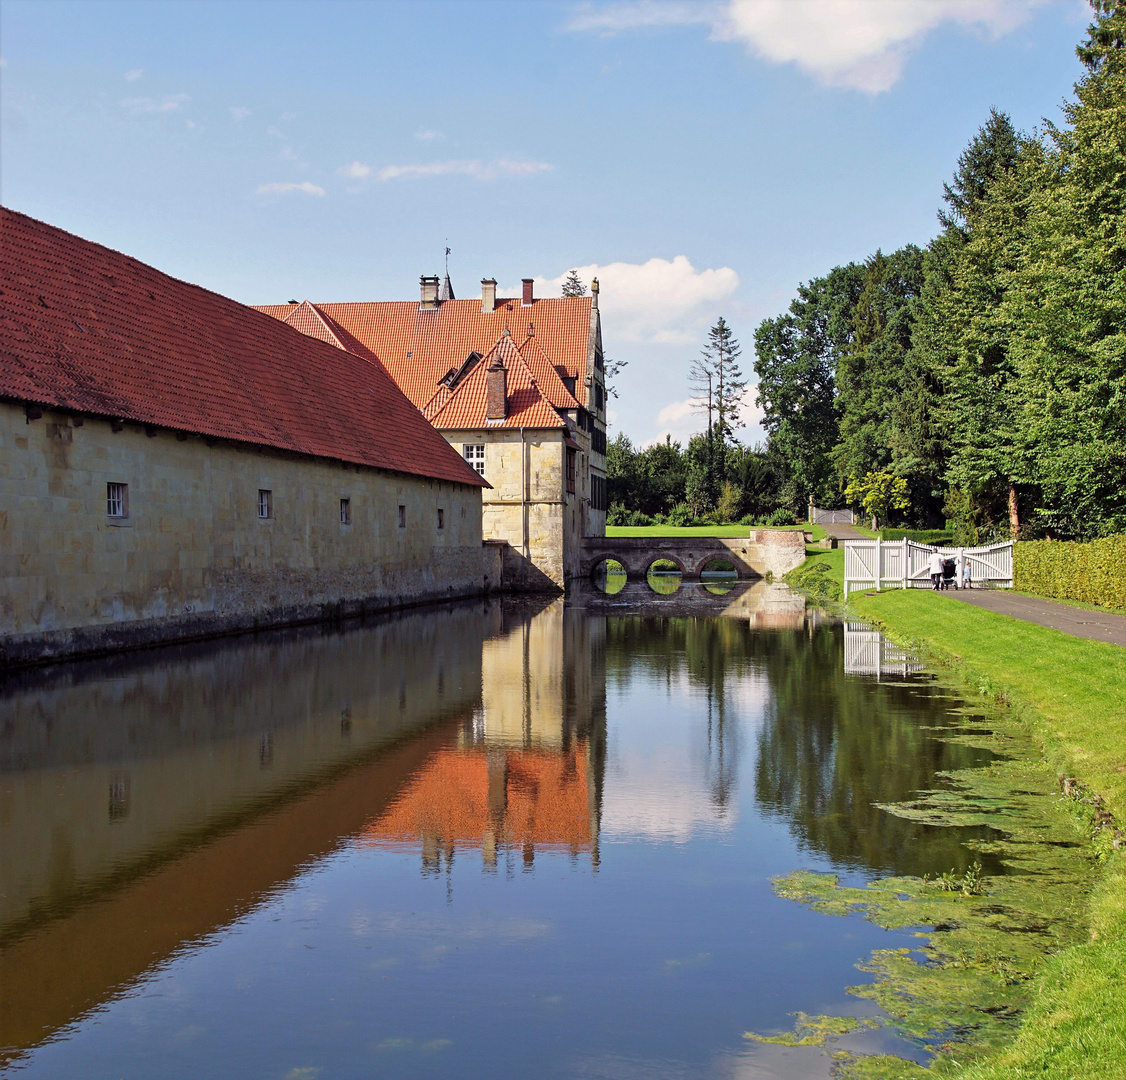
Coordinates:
(700,159)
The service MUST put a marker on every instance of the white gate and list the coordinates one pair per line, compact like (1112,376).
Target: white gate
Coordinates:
(817,516)
(904,564)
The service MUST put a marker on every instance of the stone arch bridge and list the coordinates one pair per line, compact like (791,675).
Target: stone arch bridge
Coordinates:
(762,551)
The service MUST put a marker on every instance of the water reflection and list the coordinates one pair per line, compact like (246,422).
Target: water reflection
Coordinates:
(178,828)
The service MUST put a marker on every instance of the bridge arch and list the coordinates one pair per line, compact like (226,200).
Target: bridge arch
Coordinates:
(659,555)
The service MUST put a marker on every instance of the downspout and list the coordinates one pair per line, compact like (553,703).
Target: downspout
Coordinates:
(523,514)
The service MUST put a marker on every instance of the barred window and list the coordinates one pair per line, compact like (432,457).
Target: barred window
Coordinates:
(475,455)
(265,503)
(345,511)
(117,500)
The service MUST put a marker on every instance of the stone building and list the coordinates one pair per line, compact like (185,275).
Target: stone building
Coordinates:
(174,464)
(544,451)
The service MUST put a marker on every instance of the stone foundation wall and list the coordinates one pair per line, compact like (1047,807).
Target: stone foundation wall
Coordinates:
(192,557)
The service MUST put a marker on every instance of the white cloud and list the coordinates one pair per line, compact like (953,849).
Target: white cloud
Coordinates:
(170,103)
(356,171)
(428,136)
(660,301)
(239,113)
(860,44)
(133,74)
(479,170)
(280,188)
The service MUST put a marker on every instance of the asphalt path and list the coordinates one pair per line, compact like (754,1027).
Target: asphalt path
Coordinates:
(1096,625)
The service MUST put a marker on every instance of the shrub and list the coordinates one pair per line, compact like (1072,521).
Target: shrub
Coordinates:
(680,515)
(781,516)
(730,503)
(1093,573)
(636,517)
(943,537)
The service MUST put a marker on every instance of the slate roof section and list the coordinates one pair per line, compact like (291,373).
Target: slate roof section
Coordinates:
(418,347)
(87,329)
(466,405)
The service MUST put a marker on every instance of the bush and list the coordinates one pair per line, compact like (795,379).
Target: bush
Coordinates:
(616,515)
(1093,573)
(680,515)
(943,537)
(636,517)
(781,516)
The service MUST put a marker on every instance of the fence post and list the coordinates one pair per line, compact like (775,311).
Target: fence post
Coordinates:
(906,565)
(960,566)
(879,562)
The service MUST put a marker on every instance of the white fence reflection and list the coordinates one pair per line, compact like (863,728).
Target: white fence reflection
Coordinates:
(868,652)
(904,564)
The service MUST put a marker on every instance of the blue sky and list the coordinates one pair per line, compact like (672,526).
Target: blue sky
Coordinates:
(701,158)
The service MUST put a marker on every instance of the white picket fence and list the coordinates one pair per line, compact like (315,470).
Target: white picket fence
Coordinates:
(817,516)
(868,652)
(904,564)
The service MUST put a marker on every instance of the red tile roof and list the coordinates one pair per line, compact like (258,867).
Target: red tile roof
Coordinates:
(87,329)
(418,347)
(465,405)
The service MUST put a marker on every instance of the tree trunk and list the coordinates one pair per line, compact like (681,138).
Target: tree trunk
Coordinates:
(1014,514)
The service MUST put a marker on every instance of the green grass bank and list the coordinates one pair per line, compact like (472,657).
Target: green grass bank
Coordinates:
(722,532)
(1071,695)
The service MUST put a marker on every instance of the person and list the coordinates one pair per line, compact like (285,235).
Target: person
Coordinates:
(936,569)
(967,577)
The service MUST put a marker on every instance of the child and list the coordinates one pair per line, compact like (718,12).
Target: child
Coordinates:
(966,576)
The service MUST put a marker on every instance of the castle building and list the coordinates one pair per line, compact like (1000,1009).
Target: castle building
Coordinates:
(516,385)
(174,464)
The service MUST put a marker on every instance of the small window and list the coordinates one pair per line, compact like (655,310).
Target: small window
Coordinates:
(265,503)
(345,511)
(117,500)
(402,517)
(475,455)
(570,470)
(598,395)
(441,518)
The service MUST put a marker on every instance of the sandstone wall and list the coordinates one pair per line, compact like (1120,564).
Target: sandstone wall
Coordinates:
(193,557)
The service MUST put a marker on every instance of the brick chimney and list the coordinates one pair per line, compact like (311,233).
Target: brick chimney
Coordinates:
(527,299)
(496,390)
(488,295)
(429,289)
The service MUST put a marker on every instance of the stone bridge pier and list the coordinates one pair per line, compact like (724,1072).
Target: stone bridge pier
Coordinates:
(762,551)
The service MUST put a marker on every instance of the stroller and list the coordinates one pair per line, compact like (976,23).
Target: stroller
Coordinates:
(949,573)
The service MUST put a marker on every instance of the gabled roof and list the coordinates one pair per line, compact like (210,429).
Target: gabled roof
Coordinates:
(87,329)
(306,319)
(465,406)
(418,347)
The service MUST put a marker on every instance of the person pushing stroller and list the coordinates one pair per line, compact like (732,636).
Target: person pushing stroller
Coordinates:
(935,565)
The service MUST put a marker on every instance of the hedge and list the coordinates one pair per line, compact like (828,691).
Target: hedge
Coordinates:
(920,536)
(1093,573)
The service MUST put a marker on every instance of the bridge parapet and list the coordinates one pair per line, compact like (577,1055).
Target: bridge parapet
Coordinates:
(762,551)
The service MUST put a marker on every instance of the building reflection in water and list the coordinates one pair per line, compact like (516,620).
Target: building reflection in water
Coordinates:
(148,801)
(526,772)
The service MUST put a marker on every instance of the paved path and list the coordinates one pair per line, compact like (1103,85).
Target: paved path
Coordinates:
(1096,625)
(844,532)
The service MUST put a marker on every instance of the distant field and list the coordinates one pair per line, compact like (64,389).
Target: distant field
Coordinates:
(722,532)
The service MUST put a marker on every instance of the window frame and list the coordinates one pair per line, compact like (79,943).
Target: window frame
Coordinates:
(345,510)
(117,494)
(474,454)
(266,502)
(441,517)
(402,516)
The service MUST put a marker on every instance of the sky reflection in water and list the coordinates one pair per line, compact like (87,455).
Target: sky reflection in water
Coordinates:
(492,840)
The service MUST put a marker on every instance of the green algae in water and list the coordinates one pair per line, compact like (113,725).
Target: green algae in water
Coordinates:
(963,991)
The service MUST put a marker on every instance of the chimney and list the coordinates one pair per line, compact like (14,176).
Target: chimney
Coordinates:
(496,390)
(594,293)
(488,295)
(429,287)
(528,283)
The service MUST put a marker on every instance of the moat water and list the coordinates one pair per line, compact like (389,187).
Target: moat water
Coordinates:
(506,839)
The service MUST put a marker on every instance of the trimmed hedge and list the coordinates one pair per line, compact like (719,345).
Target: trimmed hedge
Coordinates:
(1093,573)
(921,536)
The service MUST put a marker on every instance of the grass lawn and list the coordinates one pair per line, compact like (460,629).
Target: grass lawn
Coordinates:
(1072,694)
(722,532)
